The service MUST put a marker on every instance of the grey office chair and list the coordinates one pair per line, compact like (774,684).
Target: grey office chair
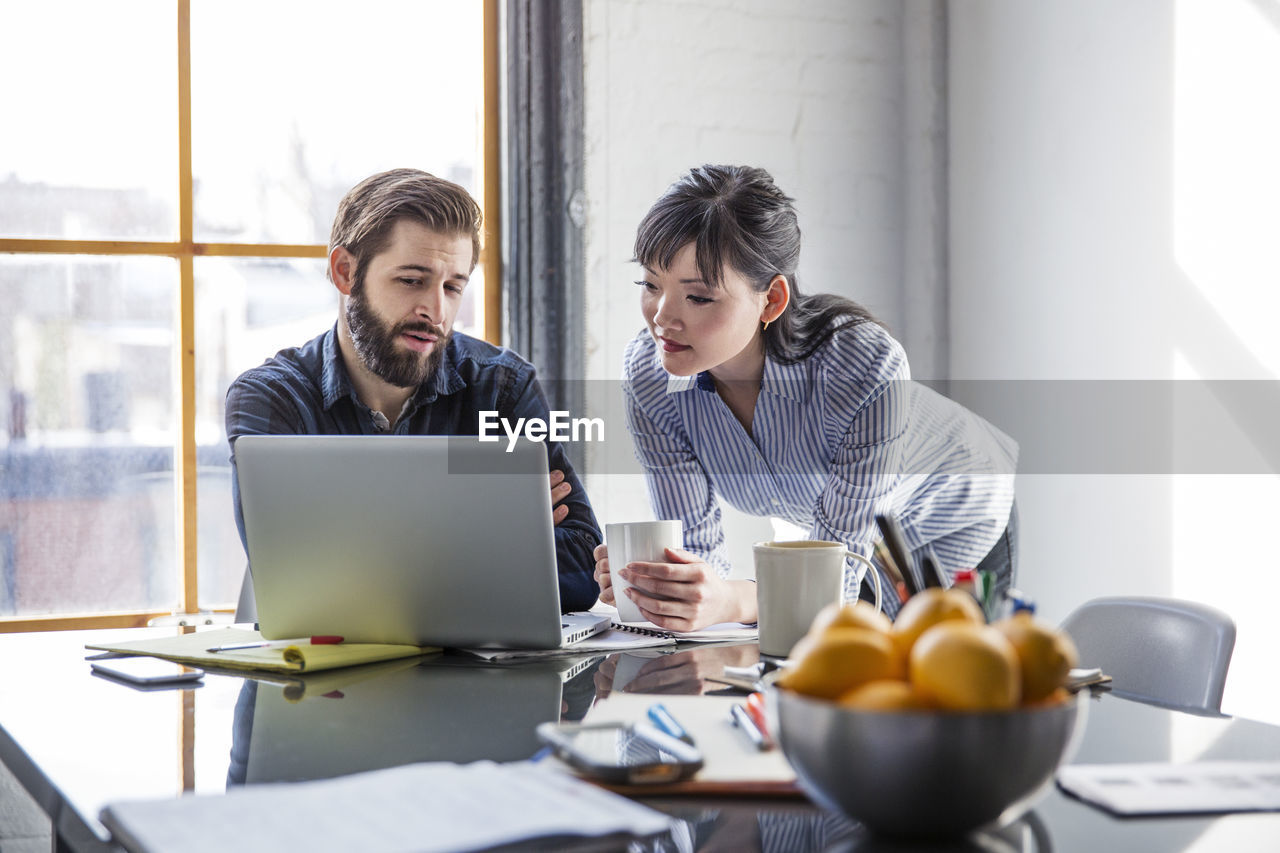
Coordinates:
(1161,650)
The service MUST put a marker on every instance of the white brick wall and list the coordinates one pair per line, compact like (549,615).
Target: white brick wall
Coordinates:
(811,90)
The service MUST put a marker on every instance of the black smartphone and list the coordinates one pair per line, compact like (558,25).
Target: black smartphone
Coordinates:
(638,754)
(147,671)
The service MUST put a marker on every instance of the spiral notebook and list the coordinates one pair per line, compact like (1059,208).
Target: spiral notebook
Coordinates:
(710,634)
(624,636)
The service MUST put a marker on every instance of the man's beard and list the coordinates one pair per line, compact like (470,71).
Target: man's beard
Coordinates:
(375,343)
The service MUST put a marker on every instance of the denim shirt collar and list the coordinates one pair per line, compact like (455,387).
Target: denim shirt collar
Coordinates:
(336,385)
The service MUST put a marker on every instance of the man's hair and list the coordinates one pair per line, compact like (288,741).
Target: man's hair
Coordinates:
(369,211)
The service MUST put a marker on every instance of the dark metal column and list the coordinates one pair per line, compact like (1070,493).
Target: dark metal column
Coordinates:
(545,211)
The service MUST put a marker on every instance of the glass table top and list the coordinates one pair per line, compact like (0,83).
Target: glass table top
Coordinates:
(77,740)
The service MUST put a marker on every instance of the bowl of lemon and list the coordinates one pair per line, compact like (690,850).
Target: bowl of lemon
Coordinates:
(931,726)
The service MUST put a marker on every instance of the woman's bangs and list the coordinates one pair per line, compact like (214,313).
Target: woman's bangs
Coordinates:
(661,235)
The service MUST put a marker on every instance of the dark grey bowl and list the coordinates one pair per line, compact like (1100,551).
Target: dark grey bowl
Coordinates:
(925,773)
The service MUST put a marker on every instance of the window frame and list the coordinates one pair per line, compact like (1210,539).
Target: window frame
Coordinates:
(185,250)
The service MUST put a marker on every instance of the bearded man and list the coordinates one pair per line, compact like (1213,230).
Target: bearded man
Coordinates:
(403,246)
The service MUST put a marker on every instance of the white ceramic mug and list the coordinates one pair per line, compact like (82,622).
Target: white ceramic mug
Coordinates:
(632,542)
(795,580)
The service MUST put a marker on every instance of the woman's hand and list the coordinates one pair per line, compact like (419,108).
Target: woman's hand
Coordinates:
(684,594)
(603,579)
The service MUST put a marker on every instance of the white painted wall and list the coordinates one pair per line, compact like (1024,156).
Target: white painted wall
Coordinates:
(1112,195)
(815,92)
(1115,200)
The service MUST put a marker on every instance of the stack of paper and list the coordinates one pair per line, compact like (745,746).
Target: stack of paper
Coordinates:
(418,807)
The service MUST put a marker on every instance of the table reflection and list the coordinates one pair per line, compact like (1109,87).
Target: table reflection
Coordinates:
(399,712)
(802,828)
(78,742)
(444,708)
(687,672)
(452,708)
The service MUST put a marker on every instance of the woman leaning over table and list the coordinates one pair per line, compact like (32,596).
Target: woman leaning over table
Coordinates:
(785,405)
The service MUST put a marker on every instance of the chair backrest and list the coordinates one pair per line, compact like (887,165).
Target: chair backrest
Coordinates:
(1160,650)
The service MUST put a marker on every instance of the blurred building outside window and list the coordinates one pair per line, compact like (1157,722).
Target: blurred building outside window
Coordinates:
(290,105)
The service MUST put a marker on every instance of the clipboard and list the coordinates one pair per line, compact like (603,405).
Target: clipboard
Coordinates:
(733,767)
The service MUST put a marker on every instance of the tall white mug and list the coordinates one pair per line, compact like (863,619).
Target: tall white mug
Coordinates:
(637,541)
(795,580)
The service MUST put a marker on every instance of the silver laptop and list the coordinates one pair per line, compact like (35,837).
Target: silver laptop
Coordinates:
(427,540)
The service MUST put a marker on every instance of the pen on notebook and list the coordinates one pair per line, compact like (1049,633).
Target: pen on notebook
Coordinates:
(318,640)
(739,717)
(661,717)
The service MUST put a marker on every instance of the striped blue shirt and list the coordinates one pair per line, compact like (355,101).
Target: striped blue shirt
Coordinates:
(835,440)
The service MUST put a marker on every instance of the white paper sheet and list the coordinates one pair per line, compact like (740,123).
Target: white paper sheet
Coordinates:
(1192,788)
(419,807)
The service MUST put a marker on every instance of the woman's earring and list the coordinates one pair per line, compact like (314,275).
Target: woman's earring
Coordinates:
(766,325)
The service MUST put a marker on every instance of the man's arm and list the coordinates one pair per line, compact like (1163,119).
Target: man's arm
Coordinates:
(255,407)
(578,534)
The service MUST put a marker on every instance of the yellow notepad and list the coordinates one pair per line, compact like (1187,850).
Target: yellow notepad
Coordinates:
(281,656)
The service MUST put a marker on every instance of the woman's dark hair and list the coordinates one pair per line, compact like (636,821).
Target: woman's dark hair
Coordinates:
(737,217)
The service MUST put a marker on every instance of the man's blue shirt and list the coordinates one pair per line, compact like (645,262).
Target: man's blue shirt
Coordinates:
(306,391)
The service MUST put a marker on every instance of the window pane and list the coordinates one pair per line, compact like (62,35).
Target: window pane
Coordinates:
(86,434)
(291,112)
(89,146)
(246,311)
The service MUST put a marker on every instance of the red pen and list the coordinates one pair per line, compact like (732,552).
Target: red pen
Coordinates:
(755,709)
(317,640)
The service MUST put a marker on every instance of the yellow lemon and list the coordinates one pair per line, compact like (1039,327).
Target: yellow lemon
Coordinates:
(1055,697)
(929,607)
(961,666)
(860,614)
(884,695)
(841,659)
(1045,654)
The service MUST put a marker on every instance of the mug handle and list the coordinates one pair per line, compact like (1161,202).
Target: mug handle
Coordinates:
(875,577)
